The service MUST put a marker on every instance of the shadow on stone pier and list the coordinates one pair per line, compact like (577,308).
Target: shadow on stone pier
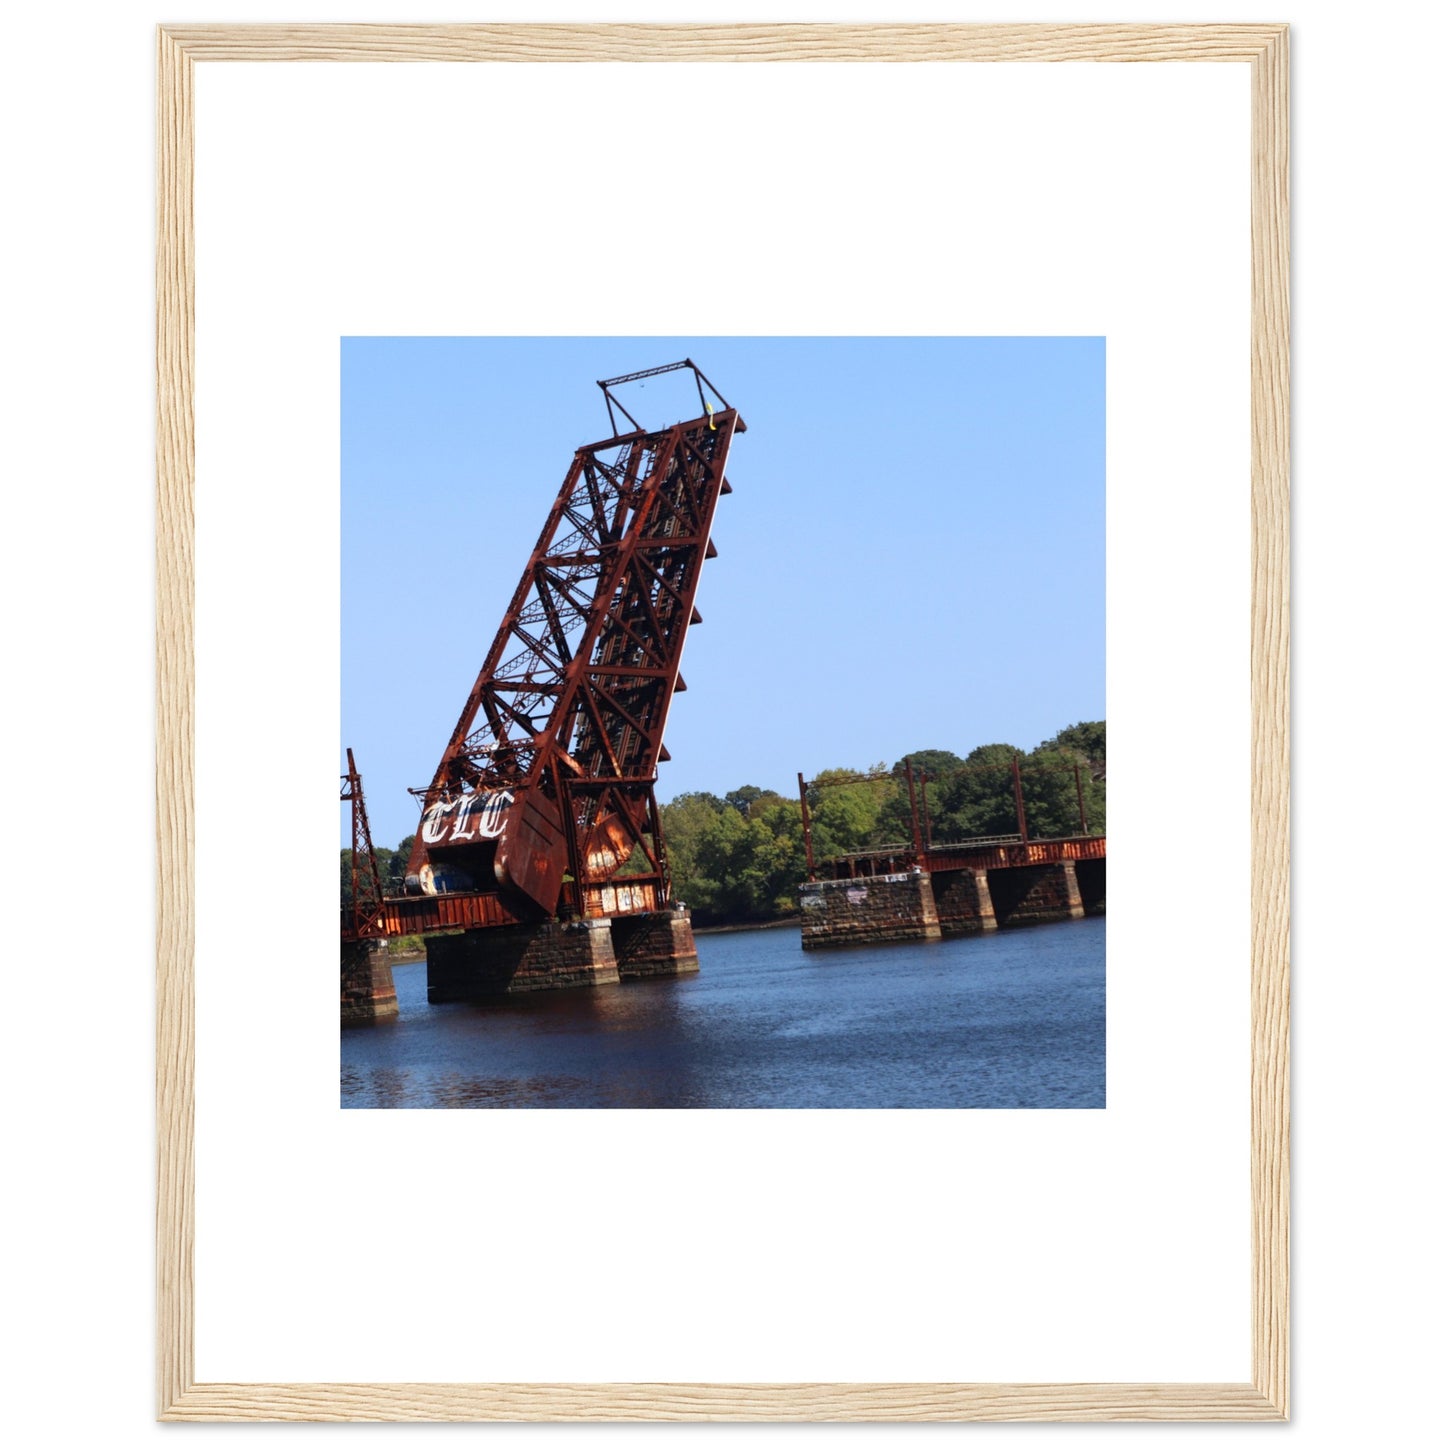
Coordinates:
(581,953)
(368,992)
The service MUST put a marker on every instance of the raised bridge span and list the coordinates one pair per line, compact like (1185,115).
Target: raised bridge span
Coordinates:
(539,860)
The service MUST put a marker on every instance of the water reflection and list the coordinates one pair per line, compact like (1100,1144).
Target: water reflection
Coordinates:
(1014,1020)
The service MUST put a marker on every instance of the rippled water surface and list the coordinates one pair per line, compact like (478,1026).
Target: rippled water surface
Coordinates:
(1011,1020)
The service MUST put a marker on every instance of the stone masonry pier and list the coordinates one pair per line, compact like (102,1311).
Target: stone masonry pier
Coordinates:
(887,908)
(1040,893)
(520,958)
(950,901)
(368,991)
(581,953)
(654,945)
(964,901)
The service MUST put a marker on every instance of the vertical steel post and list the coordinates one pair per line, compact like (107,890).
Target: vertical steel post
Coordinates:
(574,855)
(366,915)
(353,783)
(1079,791)
(807,828)
(913,808)
(663,887)
(927,824)
(1019,802)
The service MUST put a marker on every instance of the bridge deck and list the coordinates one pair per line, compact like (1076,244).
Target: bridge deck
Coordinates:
(974,853)
(444,912)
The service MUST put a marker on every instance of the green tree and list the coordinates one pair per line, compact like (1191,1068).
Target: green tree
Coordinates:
(732,868)
(744,799)
(1051,795)
(727,858)
(846,807)
(685,821)
(933,761)
(393,877)
(1083,737)
(896,816)
(787,858)
(978,800)
(753,865)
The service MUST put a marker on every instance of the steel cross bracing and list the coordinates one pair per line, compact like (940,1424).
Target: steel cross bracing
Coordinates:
(364,918)
(550,768)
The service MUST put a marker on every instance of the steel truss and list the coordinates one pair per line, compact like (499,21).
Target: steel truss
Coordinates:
(365,917)
(547,780)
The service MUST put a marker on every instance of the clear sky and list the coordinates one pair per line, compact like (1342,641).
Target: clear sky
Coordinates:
(912,556)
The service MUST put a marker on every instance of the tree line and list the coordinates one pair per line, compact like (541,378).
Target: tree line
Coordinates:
(739,858)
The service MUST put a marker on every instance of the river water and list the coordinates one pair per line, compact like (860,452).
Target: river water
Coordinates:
(1009,1020)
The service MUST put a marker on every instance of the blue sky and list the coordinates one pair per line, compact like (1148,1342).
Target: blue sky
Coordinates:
(912,556)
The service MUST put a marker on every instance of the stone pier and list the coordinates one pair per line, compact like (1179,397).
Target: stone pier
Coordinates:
(519,958)
(964,902)
(654,945)
(368,992)
(949,903)
(890,908)
(1040,893)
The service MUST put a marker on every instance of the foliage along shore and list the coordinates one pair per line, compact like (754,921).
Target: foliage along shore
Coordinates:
(737,861)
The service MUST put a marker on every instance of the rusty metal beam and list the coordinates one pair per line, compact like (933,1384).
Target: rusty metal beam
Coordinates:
(562,730)
(365,919)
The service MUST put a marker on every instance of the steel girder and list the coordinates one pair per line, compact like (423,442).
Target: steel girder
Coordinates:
(364,920)
(550,768)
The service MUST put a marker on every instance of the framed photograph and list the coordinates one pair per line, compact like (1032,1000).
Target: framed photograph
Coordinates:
(719,1078)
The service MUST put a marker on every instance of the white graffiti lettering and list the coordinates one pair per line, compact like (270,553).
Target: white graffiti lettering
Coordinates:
(460,833)
(484,811)
(489,824)
(434,822)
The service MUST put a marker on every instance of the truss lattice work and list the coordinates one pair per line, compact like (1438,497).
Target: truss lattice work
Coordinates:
(549,771)
(364,918)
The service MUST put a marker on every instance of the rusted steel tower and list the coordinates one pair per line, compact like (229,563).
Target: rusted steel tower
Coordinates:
(364,918)
(368,991)
(544,793)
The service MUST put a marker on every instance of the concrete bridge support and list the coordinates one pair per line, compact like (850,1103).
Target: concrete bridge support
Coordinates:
(1040,893)
(889,908)
(368,991)
(965,903)
(654,945)
(519,958)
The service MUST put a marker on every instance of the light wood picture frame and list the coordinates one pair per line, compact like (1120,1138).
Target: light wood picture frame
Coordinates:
(1265,1395)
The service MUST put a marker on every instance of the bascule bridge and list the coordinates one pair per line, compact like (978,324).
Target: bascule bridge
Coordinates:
(539,861)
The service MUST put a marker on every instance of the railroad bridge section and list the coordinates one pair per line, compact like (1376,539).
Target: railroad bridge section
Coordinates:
(973,887)
(925,889)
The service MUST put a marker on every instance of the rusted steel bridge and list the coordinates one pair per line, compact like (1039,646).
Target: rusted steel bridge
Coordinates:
(924,889)
(1003,852)
(541,812)
(1000,851)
